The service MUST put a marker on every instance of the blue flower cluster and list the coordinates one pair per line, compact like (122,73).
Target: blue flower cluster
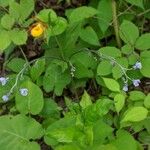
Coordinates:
(135,82)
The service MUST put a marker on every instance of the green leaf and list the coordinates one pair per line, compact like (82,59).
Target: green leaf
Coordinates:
(14,10)
(5,3)
(119,100)
(20,132)
(124,141)
(104,68)
(110,51)
(104,15)
(89,35)
(61,131)
(24,6)
(84,64)
(59,27)
(142,42)
(47,16)
(81,13)
(129,36)
(68,147)
(37,69)
(16,64)
(58,80)
(135,114)
(19,37)
(33,102)
(50,109)
(147,101)
(7,21)
(136,96)
(111,84)
(5,40)
(145,67)
(101,131)
(85,100)
(138,3)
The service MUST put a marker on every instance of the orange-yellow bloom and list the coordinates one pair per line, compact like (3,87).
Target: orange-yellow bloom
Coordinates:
(37,30)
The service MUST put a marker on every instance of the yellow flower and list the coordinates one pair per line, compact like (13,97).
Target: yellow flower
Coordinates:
(37,30)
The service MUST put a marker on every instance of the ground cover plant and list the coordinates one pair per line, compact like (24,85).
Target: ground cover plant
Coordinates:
(74,75)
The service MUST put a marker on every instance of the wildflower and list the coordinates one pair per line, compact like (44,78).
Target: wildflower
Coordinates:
(37,30)
(136,82)
(137,65)
(125,88)
(5,98)
(24,91)
(3,80)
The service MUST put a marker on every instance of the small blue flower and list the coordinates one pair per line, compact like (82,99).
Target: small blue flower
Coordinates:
(125,88)
(24,91)
(136,82)
(5,98)
(3,80)
(137,65)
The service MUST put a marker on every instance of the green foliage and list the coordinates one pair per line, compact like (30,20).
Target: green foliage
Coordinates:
(20,130)
(73,87)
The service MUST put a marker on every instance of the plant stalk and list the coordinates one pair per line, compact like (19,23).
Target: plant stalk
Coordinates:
(115,22)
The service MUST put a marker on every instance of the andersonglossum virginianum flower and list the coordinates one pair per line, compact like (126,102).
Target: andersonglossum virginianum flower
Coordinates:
(125,88)
(3,80)
(5,98)
(23,91)
(136,82)
(137,65)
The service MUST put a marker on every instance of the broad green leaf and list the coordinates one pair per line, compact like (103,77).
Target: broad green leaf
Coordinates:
(14,10)
(109,51)
(26,7)
(104,68)
(124,141)
(142,42)
(85,100)
(104,14)
(31,103)
(135,114)
(37,69)
(103,106)
(47,15)
(101,131)
(138,3)
(84,64)
(5,3)
(50,109)
(20,132)
(89,35)
(147,101)
(119,100)
(81,13)
(59,27)
(19,37)
(16,64)
(127,49)
(145,66)
(112,84)
(5,40)
(55,79)
(61,131)
(68,147)
(136,96)
(129,36)
(7,21)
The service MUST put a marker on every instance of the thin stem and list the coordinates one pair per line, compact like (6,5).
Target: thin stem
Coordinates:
(115,22)
(27,62)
